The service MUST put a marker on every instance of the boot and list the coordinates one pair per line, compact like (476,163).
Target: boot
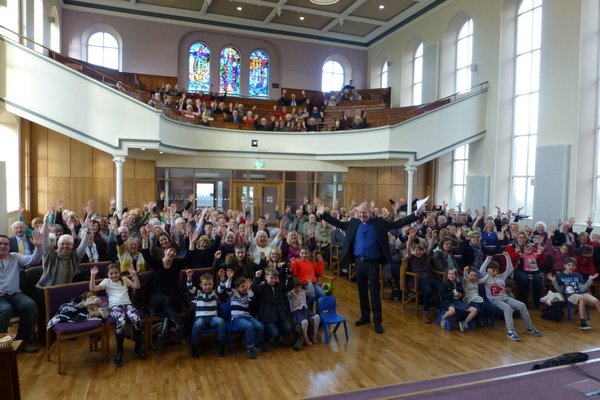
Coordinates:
(138,350)
(119,353)
(194,350)
(221,349)
(164,330)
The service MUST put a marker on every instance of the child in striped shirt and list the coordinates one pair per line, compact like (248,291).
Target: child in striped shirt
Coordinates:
(207,309)
(241,295)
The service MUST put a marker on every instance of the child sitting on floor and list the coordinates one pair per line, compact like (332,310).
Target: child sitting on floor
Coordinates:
(495,283)
(574,288)
(452,295)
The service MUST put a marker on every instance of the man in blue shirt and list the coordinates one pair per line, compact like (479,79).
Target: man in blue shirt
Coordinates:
(366,245)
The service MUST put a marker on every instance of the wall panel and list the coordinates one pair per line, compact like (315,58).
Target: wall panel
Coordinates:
(81,160)
(60,189)
(384,175)
(102,190)
(103,166)
(128,168)
(145,191)
(59,155)
(144,169)
(39,150)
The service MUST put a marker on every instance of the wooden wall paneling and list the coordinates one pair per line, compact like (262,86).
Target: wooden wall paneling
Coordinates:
(25,166)
(129,192)
(369,193)
(355,175)
(39,196)
(145,191)
(383,194)
(102,190)
(60,189)
(398,175)
(81,191)
(384,175)
(103,165)
(398,192)
(354,192)
(39,150)
(144,169)
(81,160)
(59,155)
(370,175)
(128,168)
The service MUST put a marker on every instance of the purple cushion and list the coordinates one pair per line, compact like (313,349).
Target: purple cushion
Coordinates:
(65,328)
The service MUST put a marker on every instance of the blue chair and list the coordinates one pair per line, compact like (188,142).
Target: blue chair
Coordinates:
(231,329)
(327,306)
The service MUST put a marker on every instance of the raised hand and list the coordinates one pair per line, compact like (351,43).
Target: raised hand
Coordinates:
(230,273)
(131,270)
(218,254)
(94,271)
(221,274)
(589,222)
(189,274)
(36,238)
(258,273)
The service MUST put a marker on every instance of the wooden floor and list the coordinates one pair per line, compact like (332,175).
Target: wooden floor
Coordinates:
(408,350)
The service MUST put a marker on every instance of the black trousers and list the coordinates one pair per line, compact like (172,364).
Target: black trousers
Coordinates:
(368,280)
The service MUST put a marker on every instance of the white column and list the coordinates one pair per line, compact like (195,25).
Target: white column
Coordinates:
(410,169)
(119,161)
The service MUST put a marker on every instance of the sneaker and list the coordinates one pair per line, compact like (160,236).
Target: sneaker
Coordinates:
(362,321)
(512,335)
(395,293)
(307,342)
(532,331)
(584,325)
(251,354)
(463,325)
(443,323)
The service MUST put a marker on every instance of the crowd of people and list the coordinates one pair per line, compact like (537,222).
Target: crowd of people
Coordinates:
(269,274)
(290,114)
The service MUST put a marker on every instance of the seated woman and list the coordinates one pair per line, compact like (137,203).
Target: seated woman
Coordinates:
(165,297)
(61,265)
(129,255)
(443,256)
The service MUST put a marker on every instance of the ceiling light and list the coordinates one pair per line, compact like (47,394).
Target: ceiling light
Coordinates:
(301,18)
(143,148)
(161,152)
(324,2)
(381,6)
(239,8)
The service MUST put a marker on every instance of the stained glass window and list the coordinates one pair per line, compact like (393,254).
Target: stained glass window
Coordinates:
(199,68)
(230,71)
(259,74)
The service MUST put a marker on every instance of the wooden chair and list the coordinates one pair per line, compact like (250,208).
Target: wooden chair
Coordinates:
(409,285)
(55,297)
(334,260)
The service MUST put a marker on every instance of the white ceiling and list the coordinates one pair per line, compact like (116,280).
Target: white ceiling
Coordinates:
(350,22)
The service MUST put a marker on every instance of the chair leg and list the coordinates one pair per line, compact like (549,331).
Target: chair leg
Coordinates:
(336,327)
(346,331)
(59,355)
(326,333)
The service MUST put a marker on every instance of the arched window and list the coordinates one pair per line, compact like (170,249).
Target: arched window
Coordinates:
(332,77)
(103,50)
(417,83)
(525,103)
(384,75)
(259,74)
(199,68)
(54,30)
(464,57)
(230,71)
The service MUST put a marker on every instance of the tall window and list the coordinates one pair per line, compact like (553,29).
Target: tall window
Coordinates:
(230,71)
(38,24)
(199,68)
(259,74)
(332,77)
(417,83)
(460,156)
(103,50)
(464,57)
(384,75)
(54,30)
(526,100)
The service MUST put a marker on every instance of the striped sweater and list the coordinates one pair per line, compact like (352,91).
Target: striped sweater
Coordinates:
(240,303)
(207,304)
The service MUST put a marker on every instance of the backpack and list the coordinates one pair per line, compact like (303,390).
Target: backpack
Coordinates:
(563,359)
(553,312)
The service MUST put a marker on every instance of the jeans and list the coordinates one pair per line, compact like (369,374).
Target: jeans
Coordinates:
(25,306)
(318,292)
(427,285)
(201,323)
(275,329)
(523,279)
(252,328)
